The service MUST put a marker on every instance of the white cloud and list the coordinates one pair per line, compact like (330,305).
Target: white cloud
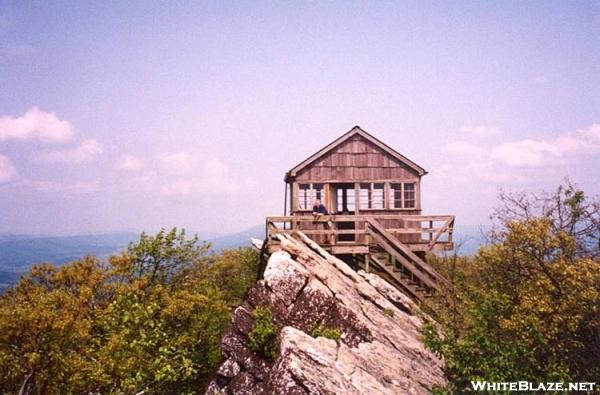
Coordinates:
(203,177)
(466,149)
(84,152)
(551,151)
(480,130)
(183,174)
(506,161)
(527,153)
(589,137)
(130,163)
(179,162)
(36,124)
(179,187)
(7,170)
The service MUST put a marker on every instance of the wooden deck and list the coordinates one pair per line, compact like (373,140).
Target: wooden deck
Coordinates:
(396,251)
(347,234)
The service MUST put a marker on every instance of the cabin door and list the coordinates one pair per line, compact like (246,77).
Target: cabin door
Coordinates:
(344,203)
(344,198)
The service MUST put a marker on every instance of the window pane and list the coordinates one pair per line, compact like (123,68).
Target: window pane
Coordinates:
(303,196)
(377,196)
(409,195)
(396,195)
(351,203)
(318,191)
(365,196)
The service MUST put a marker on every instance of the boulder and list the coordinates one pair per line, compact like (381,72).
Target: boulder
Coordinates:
(378,350)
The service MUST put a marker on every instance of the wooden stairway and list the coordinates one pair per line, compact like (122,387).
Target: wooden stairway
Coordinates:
(409,272)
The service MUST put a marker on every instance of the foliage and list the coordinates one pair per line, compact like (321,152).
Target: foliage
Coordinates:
(527,306)
(389,312)
(264,334)
(325,331)
(148,320)
(567,210)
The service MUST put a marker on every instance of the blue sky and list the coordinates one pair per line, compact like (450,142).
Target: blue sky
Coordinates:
(131,116)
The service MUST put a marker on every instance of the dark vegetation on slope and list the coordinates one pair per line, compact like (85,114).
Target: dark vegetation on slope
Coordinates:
(527,306)
(524,307)
(150,319)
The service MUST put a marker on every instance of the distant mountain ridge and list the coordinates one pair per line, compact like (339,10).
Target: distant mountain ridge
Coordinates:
(19,252)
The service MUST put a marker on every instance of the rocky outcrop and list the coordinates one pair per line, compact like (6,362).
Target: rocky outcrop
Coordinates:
(378,352)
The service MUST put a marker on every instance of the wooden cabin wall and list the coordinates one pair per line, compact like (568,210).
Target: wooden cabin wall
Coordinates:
(356,160)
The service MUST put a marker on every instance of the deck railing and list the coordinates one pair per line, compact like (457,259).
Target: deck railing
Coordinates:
(420,232)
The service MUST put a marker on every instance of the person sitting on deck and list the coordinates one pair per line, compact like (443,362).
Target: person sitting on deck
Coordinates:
(319,209)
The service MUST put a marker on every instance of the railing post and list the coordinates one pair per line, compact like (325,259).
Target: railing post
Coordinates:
(333,231)
(430,230)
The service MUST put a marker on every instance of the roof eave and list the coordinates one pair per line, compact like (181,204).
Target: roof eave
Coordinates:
(355,130)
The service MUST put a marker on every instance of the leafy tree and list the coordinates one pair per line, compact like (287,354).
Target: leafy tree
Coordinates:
(567,210)
(527,306)
(149,320)
(46,326)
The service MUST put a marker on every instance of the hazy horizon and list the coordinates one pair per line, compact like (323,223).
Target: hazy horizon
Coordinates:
(135,116)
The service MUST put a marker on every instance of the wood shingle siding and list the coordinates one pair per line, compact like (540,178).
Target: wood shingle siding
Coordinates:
(373,195)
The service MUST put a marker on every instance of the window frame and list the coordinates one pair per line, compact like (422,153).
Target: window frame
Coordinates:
(403,191)
(370,195)
(314,194)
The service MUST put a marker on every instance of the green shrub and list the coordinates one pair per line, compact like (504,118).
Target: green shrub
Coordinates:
(150,319)
(389,312)
(263,336)
(324,331)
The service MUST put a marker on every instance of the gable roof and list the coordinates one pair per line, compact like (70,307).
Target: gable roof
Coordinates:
(348,135)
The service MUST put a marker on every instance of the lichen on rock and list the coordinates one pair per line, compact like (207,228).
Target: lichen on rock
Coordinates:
(379,349)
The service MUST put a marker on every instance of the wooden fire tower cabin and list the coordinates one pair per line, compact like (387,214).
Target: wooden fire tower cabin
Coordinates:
(373,195)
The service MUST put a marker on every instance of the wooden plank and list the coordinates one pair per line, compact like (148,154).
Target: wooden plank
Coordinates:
(348,143)
(350,218)
(439,233)
(405,286)
(424,266)
(373,223)
(421,275)
(387,222)
(349,249)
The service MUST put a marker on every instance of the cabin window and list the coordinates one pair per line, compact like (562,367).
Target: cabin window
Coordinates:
(307,194)
(396,195)
(403,195)
(409,195)
(345,199)
(371,196)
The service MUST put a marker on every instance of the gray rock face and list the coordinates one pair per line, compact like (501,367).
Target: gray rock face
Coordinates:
(379,351)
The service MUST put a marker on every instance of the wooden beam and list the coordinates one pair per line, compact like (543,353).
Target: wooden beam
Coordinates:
(439,232)
(420,274)
(349,249)
(425,267)
(394,275)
